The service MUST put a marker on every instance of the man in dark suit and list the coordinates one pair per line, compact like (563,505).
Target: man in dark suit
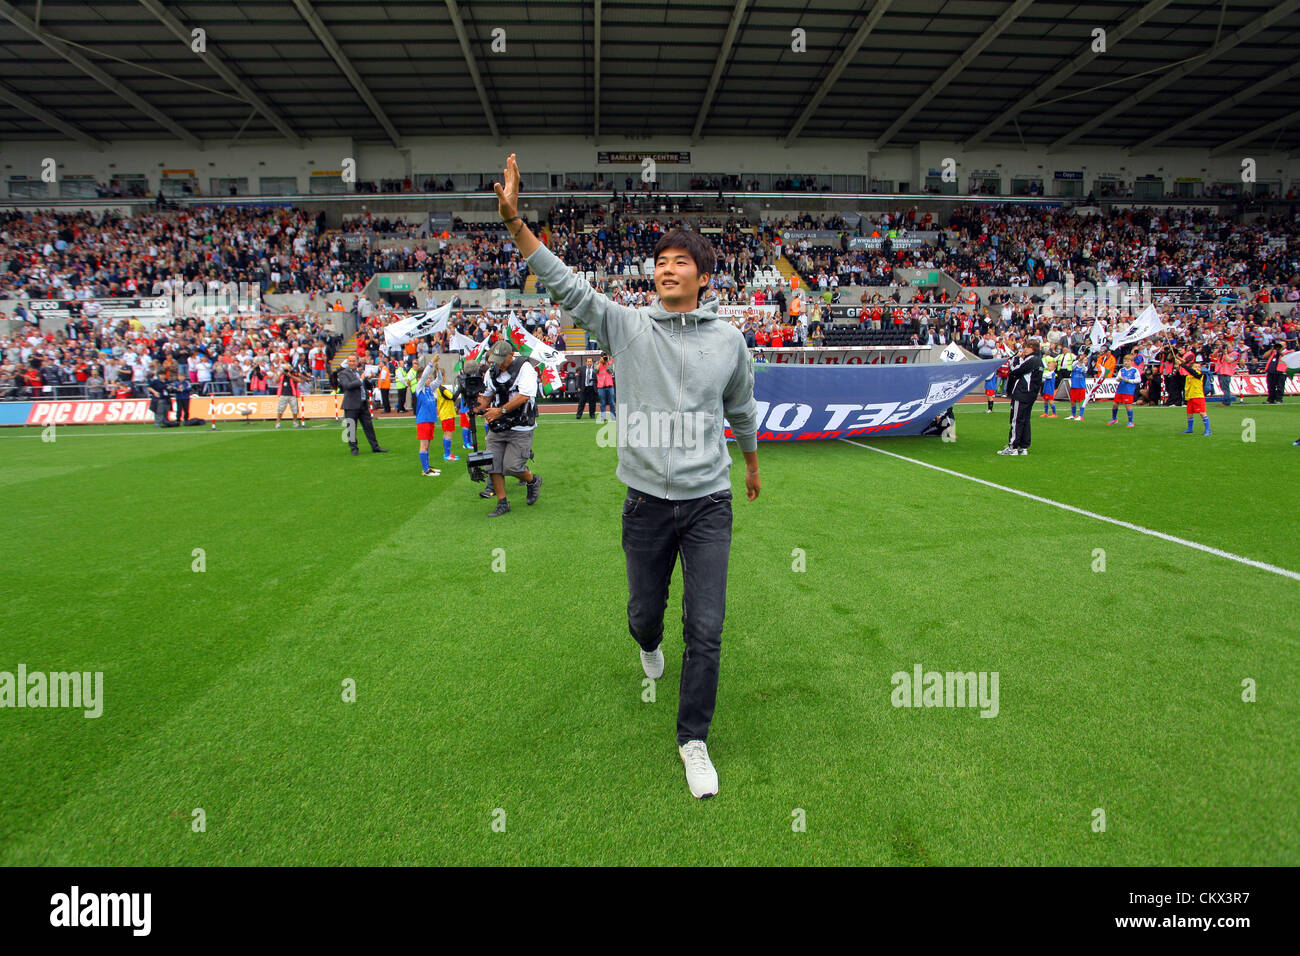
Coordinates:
(587,388)
(356,404)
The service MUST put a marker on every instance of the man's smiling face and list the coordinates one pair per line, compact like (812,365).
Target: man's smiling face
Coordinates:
(678,281)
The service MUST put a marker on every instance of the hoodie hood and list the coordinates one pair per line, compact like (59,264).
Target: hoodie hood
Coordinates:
(706,310)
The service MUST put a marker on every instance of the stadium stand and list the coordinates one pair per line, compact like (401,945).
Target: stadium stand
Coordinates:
(1213,276)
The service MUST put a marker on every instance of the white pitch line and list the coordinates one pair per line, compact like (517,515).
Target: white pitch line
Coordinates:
(1089,514)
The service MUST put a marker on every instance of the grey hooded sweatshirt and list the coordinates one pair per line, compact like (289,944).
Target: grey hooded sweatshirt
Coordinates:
(679,375)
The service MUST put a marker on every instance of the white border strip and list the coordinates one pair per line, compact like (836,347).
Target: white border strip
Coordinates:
(1089,514)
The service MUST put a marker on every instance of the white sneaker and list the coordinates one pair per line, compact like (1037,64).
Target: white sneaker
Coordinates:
(700,775)
(1007,451)
(1022,451)
(652,662)
(277,426)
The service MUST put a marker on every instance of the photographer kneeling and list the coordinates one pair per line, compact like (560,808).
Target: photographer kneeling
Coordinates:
(509,407)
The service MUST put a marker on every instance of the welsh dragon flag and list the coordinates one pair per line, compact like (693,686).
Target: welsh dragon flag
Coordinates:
(476,352)
(551,360)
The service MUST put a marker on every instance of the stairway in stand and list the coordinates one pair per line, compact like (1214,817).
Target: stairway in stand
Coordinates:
(348,348)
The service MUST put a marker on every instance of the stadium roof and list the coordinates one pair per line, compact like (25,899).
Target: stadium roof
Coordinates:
(1174,73)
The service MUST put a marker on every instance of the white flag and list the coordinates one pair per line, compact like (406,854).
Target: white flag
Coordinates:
(416,326)
(461,343)
(1144,326)
(952,353)
(1097,336)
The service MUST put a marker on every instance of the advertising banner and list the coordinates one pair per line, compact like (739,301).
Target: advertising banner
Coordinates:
(740,311)
(103,411)
(1247,385)
(1243,386)
(809,403)
(255,407)
(866,355)
(875,242)
(115,411)
(149,309)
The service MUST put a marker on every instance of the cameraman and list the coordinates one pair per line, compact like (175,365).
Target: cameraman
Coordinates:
(356,404)
(509,407)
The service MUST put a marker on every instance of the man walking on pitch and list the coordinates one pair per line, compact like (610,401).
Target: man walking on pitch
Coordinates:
(356,405)
(683,369)
(509,406)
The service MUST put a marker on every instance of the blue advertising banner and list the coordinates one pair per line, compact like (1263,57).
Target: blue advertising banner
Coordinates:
(816,402)
(15,413)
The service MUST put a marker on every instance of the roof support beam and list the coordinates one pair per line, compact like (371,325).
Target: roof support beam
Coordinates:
(950,74)
(1040,91)
(595,79)
(846,57)
(459,26)
(1255,134)
(724,54)
(1236,99)
(49,118)
(1152,87)
(331,45)
(58,46)
(178,30)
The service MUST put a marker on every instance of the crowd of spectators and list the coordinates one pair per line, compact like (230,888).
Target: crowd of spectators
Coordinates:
(1015,246)
(50,254)
(103,359)
(84,256)
(1177,246)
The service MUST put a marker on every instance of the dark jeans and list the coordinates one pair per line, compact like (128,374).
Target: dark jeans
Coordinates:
(655,532)
(587,399)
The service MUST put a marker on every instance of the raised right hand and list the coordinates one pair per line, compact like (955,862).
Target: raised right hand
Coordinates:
(508,194)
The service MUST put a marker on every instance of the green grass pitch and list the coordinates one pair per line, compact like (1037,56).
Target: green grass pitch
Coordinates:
(515,696)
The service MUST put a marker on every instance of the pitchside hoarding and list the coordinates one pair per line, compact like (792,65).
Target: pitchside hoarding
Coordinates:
(117,411)
(816,402)
(868,355)
(864,355)
(148,309)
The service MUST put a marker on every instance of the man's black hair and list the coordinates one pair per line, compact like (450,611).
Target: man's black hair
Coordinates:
(695,245)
